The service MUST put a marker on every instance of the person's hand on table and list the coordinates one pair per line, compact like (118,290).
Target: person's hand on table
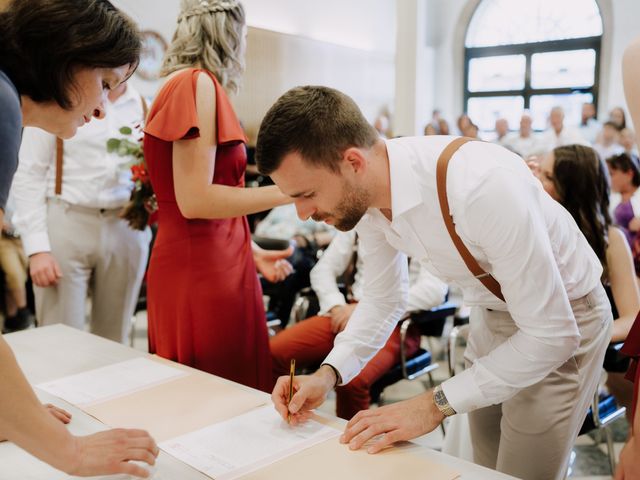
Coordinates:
(400,421)
(310,391)
(57,412)
(112,452)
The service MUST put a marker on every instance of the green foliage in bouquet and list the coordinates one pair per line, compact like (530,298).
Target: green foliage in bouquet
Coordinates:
(142,202)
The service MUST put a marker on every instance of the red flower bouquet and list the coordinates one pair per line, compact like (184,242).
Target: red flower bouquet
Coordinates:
(143,201)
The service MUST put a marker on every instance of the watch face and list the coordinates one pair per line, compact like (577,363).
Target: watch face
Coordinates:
(151,55)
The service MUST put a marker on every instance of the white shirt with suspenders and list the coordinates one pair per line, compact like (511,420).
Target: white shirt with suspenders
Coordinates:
(536,358)
(68,197)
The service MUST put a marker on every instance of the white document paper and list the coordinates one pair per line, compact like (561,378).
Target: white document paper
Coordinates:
(111,381)
(235,447)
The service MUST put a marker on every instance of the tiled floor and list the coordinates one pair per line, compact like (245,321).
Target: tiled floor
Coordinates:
(590,460)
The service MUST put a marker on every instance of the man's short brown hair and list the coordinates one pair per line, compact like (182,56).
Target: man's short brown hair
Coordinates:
(319,123)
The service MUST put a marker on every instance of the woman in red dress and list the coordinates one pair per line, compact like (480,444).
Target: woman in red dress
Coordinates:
(204,298)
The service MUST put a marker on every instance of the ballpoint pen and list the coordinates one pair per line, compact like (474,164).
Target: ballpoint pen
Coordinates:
(292,370)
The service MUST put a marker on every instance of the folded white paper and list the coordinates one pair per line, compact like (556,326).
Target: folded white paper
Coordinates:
(111,381)
(235,447)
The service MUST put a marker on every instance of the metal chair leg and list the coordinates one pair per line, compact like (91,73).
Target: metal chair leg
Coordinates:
(610,451)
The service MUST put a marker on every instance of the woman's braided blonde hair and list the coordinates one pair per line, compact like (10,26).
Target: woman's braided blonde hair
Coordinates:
(209,34)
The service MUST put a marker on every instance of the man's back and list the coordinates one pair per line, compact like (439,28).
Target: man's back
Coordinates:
(490,192)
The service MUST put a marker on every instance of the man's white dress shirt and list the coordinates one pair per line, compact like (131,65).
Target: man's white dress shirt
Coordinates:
(516,232)
(425,291)
(91,177)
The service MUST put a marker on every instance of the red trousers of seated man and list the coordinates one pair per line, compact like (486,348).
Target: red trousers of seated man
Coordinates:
(311,340)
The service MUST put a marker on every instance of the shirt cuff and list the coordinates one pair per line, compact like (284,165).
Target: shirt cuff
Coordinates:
(462,392)
(36,243)
(330,301)
(345,362)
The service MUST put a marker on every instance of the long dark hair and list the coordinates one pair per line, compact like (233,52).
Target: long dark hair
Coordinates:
(582,183)
(42,42)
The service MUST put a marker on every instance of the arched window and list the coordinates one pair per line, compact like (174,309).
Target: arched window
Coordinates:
(531,55)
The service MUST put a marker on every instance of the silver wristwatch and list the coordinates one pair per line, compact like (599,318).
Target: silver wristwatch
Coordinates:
(441,402)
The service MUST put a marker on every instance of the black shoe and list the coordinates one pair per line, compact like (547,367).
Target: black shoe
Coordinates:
(22,320)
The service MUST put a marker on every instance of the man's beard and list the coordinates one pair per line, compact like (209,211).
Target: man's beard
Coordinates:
(350,210)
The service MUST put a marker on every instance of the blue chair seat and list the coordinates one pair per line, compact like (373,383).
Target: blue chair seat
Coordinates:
(607,406)
(415,365)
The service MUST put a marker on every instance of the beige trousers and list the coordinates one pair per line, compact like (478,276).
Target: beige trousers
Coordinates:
(101,256)
(530,436)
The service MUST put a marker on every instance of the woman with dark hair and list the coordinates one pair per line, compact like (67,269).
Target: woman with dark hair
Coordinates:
(624,170)
(58,58)
(575,176)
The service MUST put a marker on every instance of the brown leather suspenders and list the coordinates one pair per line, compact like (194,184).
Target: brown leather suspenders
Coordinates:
(59,155)
(60,150)
(441,179)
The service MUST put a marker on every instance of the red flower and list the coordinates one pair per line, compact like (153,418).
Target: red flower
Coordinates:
(139,173)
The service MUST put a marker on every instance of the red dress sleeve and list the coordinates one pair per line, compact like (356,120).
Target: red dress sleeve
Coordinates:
(173,115)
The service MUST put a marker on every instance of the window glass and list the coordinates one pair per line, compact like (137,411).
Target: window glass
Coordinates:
(505,72)
(573,68)
(484,111)
(541,106)
(508,22)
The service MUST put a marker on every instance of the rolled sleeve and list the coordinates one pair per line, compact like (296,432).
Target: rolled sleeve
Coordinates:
(385,280)
(514,237)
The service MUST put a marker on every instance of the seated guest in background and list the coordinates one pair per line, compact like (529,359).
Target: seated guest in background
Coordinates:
(89,48)
(69,218)
(471,130)
(589,126)
(14,264)
(524,142)
(629,465)
(624,171)
(382,125)
(311,340)
(443,127)
(502,131)
(463,123)
(307,237)
(539,330)
(577,178)
(628,141)
(430,129)
(204,297)
(558,134)
(608,144)
(618,118)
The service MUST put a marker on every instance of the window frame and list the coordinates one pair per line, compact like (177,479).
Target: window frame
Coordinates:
(528,49)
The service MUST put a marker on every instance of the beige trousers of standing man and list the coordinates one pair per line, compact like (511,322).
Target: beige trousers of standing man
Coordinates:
(98,253)
(530,436)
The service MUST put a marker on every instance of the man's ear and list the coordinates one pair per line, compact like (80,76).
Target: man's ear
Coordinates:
(354,160)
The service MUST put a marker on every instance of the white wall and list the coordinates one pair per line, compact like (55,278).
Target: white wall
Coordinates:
(367,25)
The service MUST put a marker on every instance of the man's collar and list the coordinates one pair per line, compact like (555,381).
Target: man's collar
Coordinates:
(405,189)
